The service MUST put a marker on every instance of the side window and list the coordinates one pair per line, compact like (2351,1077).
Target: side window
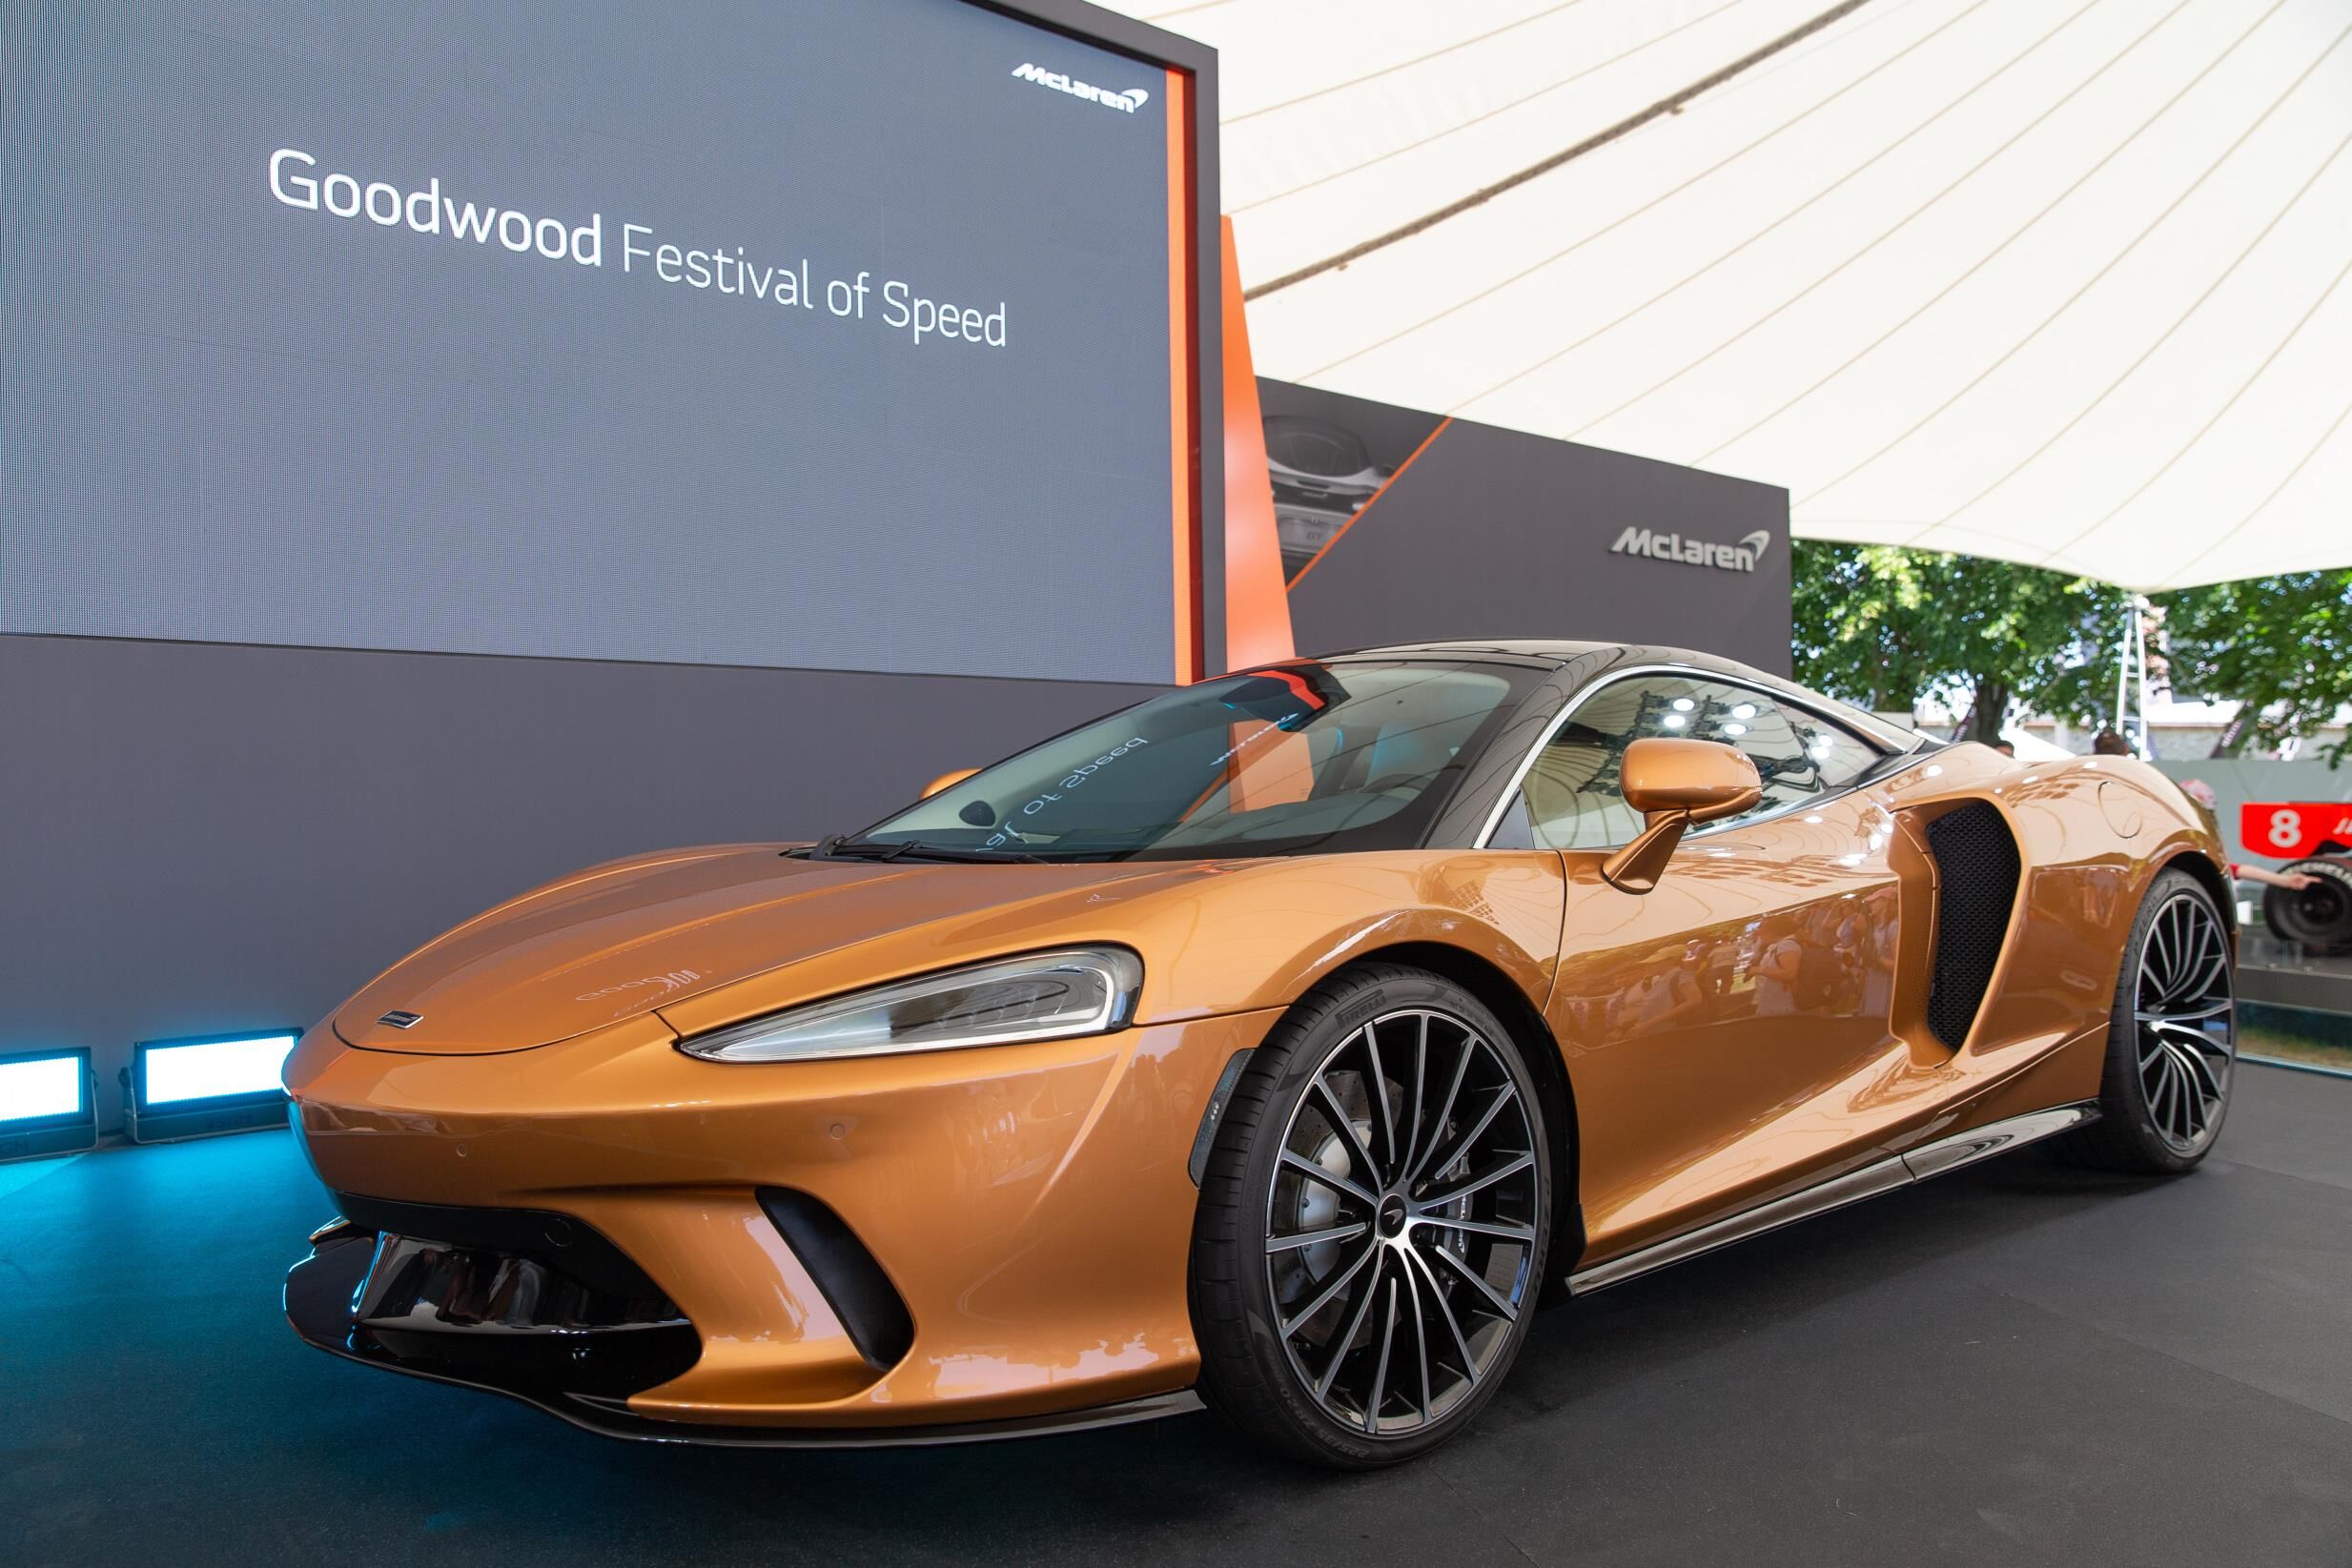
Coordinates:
(1572,797)
(1796,754)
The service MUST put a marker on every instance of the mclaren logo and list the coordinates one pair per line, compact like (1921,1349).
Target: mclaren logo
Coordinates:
(1127,102)
(1693,552)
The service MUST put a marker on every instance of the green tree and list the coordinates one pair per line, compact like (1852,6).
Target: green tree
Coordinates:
(2278,647)
(1884,626)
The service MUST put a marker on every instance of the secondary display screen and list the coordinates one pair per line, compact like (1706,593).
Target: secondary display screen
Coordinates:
(786,333)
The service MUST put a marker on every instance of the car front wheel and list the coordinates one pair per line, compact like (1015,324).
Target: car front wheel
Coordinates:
(1372,1234)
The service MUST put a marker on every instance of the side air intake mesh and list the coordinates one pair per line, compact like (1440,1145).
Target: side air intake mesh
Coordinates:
(1976,886)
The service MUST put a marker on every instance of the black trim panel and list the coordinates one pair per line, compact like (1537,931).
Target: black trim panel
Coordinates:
(1213,1114)
(872,1311)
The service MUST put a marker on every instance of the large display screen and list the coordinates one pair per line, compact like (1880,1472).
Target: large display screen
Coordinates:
(791,333)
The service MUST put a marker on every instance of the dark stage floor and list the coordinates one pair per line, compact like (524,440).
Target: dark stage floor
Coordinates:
(2019,1364)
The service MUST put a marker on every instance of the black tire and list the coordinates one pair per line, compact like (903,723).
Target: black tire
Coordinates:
(1442,1250)
(2167,1086)
(2319,917)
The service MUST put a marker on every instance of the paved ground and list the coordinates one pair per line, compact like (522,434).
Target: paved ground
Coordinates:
(2019,1364)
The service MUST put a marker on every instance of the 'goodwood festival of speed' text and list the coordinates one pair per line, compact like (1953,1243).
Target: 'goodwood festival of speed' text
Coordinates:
(720,270)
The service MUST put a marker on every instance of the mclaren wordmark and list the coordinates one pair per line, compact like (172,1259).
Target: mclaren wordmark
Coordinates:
(1693,552)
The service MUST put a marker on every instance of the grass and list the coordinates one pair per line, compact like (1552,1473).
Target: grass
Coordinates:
(2316,1038)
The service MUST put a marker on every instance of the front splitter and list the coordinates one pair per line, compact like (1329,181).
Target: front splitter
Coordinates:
(318,1300)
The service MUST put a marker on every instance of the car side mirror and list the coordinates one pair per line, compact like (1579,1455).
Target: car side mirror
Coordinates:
(947,781)
(1674,784)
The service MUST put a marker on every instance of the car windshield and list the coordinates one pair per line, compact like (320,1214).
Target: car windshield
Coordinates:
(1301,758)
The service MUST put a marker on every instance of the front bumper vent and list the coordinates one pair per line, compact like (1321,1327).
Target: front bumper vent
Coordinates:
(872,1311)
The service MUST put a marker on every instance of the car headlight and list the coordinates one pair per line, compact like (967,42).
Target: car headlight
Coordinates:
(1038,996)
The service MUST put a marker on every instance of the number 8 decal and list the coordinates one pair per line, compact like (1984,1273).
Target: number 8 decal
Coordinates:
(2286,829)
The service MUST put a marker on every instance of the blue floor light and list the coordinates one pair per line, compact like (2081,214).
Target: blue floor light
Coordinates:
(200,1084)
(46,1103)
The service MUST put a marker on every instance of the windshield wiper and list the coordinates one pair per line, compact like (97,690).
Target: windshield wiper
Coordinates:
(839,846)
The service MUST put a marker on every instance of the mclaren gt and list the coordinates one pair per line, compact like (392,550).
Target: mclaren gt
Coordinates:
(1279,1044)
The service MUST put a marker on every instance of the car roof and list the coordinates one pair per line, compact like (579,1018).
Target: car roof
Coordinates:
(1596,660)
(1559,652)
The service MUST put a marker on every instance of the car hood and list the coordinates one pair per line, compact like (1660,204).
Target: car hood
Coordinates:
(619,940)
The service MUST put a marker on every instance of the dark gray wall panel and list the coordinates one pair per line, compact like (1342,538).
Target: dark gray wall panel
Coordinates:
(1496,533)
(202,835)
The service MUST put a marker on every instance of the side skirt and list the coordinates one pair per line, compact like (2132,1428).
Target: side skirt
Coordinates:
(1931,1159)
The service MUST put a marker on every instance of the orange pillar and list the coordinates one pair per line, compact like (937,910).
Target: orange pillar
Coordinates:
(1257,602)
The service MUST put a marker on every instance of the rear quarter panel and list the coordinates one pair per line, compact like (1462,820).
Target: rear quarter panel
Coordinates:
(2092,834)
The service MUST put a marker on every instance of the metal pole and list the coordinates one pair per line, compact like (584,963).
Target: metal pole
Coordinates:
(2123,672)
(2139,638)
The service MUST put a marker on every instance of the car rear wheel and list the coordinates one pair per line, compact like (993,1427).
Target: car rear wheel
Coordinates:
(2171,1043)
(1372,1230)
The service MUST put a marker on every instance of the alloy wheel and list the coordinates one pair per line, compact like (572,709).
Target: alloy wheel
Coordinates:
(2187,1021)
(1402,1222)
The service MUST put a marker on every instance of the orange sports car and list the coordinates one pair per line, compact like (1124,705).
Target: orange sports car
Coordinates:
(1280,1044)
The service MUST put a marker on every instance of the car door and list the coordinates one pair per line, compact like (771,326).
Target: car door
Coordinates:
(1728,1034)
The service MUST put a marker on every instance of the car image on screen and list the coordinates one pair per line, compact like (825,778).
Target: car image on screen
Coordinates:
(1322,476)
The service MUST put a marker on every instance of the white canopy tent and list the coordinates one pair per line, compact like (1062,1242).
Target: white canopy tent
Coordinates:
(2060,282)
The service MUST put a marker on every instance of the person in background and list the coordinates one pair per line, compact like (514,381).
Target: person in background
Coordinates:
(2108,744)
(1776,975)
(2201,796)
(2005,748)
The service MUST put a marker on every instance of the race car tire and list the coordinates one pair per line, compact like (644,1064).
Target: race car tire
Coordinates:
(2319,917)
